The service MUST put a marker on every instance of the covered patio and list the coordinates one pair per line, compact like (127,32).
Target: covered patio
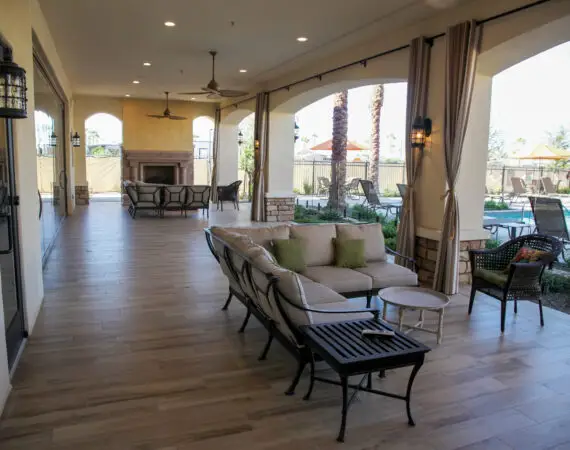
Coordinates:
(132,351)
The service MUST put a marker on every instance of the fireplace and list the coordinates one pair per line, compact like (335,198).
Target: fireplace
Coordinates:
(161,167)
(159,174)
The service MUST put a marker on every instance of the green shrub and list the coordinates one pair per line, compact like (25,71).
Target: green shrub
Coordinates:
(564,190)
(492,205)
(363,213)
(307,188)
(492,243)
(296,191)
(554,282)
(391,193)
(330,215)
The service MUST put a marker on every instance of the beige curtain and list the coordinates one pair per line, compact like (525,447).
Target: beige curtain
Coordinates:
(418,78)
(215,152)
(462,41)
(261,137)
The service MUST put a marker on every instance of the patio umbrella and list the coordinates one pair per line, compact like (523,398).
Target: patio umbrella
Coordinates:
(327,145)
(547,153)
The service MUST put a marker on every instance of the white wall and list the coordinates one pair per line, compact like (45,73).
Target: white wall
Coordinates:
(281,154)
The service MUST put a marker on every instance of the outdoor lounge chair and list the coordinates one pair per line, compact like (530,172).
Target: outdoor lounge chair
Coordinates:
(402,188)
(495,275)
(549,187)
(372,199)
(519,189)
(549,219)
(324,185)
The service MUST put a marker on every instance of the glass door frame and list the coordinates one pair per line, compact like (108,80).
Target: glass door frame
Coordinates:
(43,66)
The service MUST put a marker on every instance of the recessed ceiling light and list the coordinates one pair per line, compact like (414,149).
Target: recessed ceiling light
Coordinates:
(193,98)
(146,63)
(127,95)
(169,24)
(243,70)
(302,39)
(136,82)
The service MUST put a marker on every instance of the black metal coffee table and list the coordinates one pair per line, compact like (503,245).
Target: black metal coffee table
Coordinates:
(340,344)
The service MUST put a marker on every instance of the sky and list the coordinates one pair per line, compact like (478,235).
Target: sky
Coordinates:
(528,100)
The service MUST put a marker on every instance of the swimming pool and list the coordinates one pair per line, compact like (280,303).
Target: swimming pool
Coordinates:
(517,214)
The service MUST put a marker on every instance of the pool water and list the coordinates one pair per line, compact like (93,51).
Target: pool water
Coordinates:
(517,215)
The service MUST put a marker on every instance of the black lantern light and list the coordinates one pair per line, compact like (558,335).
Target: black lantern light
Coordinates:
(76,140)
(421,130)
(240,138)
(53,140)
(12,86)
(296,131)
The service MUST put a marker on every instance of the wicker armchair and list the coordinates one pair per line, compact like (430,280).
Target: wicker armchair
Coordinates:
(495,275)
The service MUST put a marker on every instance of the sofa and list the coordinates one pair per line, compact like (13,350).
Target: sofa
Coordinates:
(160,198)
(283,300)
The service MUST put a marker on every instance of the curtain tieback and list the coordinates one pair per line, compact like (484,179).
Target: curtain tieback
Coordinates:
(407,199)
(447,194)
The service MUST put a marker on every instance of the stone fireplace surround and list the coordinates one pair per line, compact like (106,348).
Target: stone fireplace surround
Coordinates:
(134,162)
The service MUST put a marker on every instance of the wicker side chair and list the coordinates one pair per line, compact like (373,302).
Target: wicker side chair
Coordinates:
(495,275)
(229,193)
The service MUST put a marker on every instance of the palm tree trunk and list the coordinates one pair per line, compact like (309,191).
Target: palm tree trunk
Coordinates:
(377,103)
(337,191)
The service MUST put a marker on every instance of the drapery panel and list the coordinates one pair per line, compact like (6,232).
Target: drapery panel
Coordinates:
(261,139)
(462,49)
(418,80)
(215,152)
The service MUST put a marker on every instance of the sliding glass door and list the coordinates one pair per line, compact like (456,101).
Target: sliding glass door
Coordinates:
(9,246)
(50,148)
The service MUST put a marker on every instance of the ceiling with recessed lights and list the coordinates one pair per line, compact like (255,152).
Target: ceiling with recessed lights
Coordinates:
(104,44)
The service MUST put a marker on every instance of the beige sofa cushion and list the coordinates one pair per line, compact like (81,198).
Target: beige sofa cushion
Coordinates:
(260,235)
(338,317)
(385,275)
(374,249)
(318,294)
(339,279)
(318,240)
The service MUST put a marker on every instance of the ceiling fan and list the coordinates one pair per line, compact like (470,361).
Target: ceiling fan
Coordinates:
(166,114)
(212,90)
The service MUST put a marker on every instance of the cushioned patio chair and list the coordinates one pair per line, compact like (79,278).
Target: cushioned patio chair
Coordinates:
(549,219)
(229,193)
(197,197)
(494,274)
(143,197)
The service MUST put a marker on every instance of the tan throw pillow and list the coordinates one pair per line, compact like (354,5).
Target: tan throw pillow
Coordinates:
(371,233)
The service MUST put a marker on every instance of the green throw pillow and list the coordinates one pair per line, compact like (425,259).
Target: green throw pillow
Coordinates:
(290,254)
(349,253)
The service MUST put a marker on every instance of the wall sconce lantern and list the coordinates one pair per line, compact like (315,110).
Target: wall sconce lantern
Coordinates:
(53,140)
(76,140)
(296,131)
(240,138)
(12,86)
(421,130)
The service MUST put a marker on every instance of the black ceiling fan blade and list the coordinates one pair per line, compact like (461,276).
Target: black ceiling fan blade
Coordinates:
(177,117)
(157,116)
(192,93)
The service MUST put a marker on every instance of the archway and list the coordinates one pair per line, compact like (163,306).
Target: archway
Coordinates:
(103,148)
(203,136)
(293,166)
(245,157)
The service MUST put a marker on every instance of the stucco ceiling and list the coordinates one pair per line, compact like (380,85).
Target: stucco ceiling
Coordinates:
(103,43)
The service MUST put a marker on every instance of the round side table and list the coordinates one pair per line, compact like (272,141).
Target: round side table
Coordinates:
(415,298)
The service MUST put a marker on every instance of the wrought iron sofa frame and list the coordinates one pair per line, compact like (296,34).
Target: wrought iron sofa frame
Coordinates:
(298,350)
(524,280)
(245,276)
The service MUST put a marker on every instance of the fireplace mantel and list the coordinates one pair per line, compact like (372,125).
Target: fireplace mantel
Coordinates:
(134,162)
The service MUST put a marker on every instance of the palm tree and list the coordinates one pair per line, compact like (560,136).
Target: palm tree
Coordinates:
(376,107)
(338,163)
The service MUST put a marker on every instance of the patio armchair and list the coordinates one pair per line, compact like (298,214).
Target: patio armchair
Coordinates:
(495,275)
(229,193)
(352,187)
(143,197)
(550,220)
(197,197)
(324,185)
(372,199)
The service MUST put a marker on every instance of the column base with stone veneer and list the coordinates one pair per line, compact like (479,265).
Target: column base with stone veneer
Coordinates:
(279,209)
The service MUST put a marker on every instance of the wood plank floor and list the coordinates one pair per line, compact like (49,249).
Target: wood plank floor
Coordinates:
(131,351)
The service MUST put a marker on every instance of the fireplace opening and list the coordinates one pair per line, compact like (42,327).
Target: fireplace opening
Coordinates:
(159,174)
